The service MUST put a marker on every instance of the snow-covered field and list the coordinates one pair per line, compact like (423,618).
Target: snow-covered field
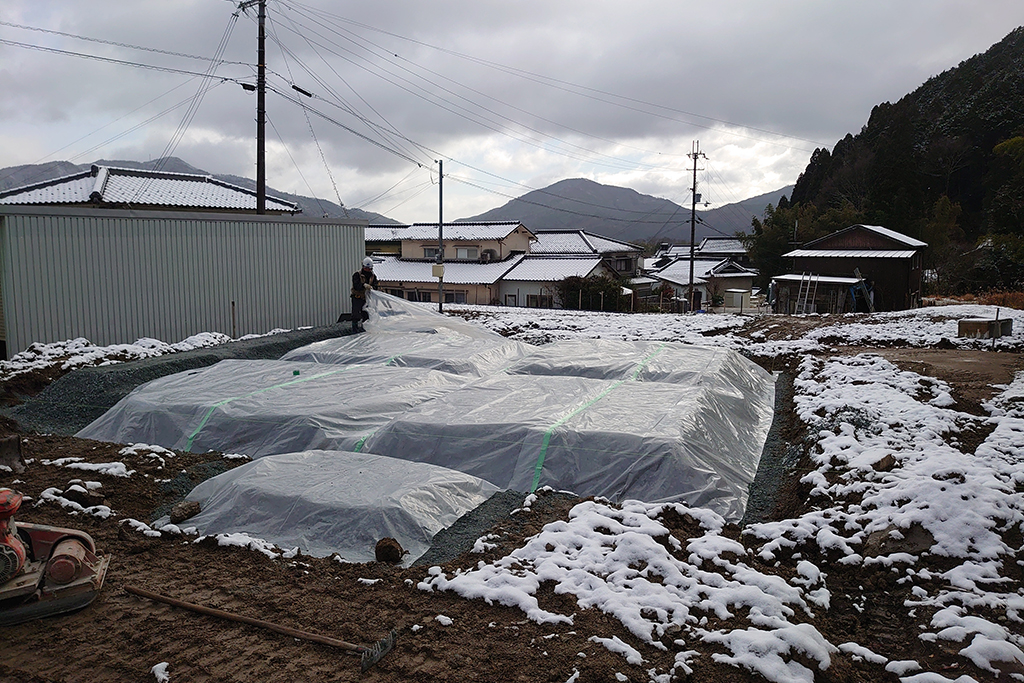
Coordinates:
(890,493)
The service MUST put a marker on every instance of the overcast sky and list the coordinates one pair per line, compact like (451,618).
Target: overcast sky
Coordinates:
(512,96)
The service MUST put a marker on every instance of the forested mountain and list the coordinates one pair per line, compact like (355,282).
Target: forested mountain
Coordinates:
(624,214)
(944,164)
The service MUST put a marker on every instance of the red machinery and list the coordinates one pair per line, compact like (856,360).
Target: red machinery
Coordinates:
(44,570)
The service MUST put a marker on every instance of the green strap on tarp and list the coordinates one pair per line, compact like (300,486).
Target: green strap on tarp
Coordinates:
(218,404)
(547,435)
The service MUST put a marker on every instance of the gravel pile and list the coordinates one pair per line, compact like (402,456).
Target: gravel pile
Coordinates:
(76,399)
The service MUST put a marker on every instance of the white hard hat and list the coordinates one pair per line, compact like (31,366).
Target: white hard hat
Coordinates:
(368,263)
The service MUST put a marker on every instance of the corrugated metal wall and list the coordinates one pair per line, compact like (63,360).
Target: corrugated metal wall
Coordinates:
(114,277)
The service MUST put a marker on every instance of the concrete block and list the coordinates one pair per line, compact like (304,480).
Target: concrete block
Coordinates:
(985,328)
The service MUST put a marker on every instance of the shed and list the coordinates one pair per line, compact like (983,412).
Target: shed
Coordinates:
(112,275)
(888,261)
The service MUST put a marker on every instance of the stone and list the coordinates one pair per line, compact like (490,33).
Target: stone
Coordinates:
(389,550)
(184,510)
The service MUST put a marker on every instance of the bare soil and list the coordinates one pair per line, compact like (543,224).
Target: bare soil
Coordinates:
(120,637)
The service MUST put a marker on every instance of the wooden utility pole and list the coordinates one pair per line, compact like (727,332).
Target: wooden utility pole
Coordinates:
(693,213)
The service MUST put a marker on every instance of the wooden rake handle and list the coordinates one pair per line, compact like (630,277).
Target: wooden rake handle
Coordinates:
(295,633)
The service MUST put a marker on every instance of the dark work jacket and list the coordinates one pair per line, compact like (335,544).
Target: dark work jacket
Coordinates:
(360,279)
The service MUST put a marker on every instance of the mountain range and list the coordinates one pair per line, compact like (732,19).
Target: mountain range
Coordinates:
(625,214)
(614,212)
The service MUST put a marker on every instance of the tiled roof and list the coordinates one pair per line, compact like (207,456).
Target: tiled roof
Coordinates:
(461,231)
(393,269)
(577,242)
(107,185)
(849,253)
(678,272)
(547,269)
(720,245)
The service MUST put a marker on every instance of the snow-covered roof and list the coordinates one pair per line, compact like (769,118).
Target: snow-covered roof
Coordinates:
(577,242)
(547,269)
(878,230)
(385,233)
(393,269)
(109,185)
(820,279)
(720,245)
(678,272)
(461,231)
(850,253)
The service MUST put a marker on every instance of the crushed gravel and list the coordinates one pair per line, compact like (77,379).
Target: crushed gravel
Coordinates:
(69,404)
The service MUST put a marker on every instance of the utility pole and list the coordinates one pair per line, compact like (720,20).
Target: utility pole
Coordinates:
(695,154)
(261,102)
(439,267)
(261,112)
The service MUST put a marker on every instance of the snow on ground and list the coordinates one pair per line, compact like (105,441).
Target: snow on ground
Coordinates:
(889,491)
(931,498)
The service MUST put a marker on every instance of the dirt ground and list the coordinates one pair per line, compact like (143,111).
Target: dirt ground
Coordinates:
(120,637)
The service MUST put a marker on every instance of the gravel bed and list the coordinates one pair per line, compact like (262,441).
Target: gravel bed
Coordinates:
(69,404)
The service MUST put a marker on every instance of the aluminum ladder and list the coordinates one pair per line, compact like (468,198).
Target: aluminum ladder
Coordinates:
(806,293)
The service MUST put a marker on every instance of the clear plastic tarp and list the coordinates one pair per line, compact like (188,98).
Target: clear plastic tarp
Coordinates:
(266,407)
(326,502)
(697,442)
(656,421)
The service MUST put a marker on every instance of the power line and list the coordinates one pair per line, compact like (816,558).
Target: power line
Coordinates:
(111,42)
(111,60)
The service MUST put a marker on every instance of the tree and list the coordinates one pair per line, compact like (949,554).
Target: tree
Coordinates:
(595,293)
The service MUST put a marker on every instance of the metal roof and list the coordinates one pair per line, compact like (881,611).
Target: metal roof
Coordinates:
(878,230)
(393,269)
(577,242)
(461,231)
(849,253)
(822,279)
(547,269)
(108,185)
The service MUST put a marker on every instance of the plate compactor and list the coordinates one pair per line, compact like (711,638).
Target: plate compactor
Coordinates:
(44,570)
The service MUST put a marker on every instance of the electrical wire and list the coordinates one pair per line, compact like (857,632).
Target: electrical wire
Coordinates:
(114,43)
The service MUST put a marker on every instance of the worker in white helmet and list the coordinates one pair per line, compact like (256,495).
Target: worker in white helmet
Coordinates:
(363,280)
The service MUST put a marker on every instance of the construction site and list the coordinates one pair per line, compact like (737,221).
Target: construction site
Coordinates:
(561,496)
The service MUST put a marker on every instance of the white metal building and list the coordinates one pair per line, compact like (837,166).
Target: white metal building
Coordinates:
(115,276)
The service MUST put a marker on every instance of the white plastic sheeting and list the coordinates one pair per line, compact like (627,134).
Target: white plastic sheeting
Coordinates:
(326,502)
(266,407)
(697,441)
(655,421)
(442,349)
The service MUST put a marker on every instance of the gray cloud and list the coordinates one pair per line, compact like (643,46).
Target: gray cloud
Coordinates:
(511,95)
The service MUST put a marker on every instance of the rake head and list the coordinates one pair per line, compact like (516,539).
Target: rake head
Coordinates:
(374,653)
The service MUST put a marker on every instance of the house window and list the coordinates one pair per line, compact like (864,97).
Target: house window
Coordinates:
(623,265)
(538,301)
(425,297)
(430,252)
(397,292)
(510,300)
(455,297)
(467,253)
